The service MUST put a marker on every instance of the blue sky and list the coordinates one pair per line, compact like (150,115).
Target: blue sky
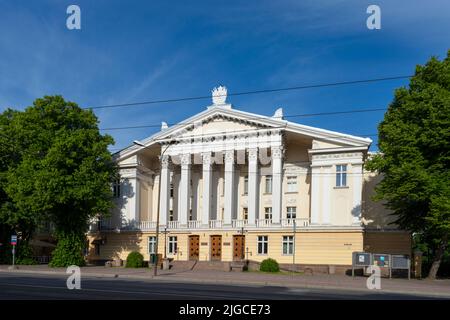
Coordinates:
(129,51)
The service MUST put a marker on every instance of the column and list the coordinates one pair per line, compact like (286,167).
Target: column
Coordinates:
(315,204)
(185,184)
(326,194)
(207,186)
(357,192)
(229,186)
(277,179)
(164,189)
(253,180)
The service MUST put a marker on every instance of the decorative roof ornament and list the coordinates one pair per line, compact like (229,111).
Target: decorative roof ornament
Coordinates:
(278,114)
(219,95)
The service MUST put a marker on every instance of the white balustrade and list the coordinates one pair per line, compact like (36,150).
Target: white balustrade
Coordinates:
(239,223)
(263,223)
(194,224)
(173,224)
(300,222)
(215,224)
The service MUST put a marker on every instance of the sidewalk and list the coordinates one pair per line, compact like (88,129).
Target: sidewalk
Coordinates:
(439,288)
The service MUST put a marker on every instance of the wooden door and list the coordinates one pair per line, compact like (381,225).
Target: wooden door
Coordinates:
(194,247)
(216,248)
(238,247)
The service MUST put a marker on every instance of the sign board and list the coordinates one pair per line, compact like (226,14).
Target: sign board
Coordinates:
(400,262)
(382,260)
(13,240)
(361,259)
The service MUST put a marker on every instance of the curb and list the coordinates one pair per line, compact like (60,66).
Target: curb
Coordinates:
(163,278)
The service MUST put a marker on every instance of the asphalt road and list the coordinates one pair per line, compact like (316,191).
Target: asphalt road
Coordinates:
(53,287)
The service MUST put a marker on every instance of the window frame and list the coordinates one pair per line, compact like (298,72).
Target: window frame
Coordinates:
(268,185)
(341,175)
(289,185)
(263,244)
(291,212)
(245,191)
(268,212)
(288,244)
(151,242)
(172,247)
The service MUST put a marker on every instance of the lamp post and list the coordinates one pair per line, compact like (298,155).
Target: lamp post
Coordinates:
(155,271)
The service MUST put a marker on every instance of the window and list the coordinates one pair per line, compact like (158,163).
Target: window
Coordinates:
(171,189)
(341,175)
(172,245)
(268,213)
(288,244)
(245,213)
(116,188)
(171,215)
(190,214)
(151,245)
(291,212)
(262,244)
(292,184)
(268,184)
(245,185)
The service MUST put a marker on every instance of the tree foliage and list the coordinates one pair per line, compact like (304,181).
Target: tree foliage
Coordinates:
(414,158)
(55,166)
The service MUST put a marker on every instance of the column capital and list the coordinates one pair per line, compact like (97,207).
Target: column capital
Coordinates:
(206,158)
(165,161)
(229,156)
(277,152)
(186,159)
(253,154)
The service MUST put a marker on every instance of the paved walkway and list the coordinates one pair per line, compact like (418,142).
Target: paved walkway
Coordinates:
(439,288)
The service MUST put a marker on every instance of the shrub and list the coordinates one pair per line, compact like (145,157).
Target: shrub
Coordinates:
(135,260)
(25,254)
(269,265)
(68,251)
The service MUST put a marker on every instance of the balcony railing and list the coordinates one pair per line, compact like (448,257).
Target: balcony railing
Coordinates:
(239,223)
(215,224)
(299,222)
(108,225)
(194,224)
(263,223)
(173,224)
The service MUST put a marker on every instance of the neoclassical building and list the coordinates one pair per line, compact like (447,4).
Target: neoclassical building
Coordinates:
(232,185)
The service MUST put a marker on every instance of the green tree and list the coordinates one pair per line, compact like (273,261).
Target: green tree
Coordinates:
(62,172)
(414,158)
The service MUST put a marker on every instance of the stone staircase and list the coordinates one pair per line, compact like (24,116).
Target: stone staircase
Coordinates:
(183,265)
(212,265)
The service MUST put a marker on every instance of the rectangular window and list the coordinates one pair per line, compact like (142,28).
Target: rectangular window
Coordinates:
(171,189)
(288,245)
(246,185)
(151,245)
(292,184)
(171,215)
(268,184)
(341,175)
(116,188)
(172,245)
(291,212)
(263,244)
(245,213)
(268,213)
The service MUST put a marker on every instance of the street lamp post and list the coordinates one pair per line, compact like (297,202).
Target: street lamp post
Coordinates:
(155,271)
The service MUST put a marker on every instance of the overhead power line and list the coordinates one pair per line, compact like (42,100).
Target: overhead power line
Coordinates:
(321,85)
(253,118)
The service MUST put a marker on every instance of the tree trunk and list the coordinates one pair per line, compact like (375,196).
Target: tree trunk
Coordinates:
(437,259)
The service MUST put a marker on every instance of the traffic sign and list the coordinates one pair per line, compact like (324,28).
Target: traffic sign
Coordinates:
(13,240)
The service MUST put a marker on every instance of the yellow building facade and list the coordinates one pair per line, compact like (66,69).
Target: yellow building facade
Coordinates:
(227,185)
